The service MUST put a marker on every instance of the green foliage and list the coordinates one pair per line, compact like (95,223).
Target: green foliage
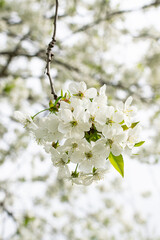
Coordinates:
(55,144)
(8,88)
(27,220)
(124,127)
(117,162)
(54,106)
(132,126)
(75,174)
(92,135)
(139,144)
(2,3)
(94,170)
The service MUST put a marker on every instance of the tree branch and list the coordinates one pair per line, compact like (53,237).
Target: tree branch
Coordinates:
(9,213)
(50,54)
(12,54)
(39,54)
(116,13)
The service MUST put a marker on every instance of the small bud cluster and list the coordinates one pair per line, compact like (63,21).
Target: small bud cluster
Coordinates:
(84,135)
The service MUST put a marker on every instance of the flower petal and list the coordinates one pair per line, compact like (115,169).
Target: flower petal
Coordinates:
(73,88)
(91,93)
(63,172)
(64,127)
(77,157)
(107,132)
(66,115)
(119,106)
(102,90)
(116,150)
(86,166)
(128,102)
(77,133)
(82,87)
(118,117)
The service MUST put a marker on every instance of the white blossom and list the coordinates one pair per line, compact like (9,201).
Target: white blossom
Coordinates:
(83,132)
(90,156)
(116,138)
(80,90)
(133,136)
(25,119)
(60,160)
(72,124)
(129,111)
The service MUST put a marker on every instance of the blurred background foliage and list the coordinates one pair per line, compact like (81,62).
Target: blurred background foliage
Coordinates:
(116,43)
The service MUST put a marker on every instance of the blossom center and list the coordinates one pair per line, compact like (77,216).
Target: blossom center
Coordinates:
(110,142)
(62,161)
(109,121)
(88,154)
(91,119)
(74,145)
(55,144)
(80,94)
(74,123)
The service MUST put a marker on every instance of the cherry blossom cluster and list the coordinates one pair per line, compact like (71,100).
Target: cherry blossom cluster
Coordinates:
(84,134)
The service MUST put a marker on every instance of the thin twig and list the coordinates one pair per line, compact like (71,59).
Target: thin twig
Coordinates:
(9,213)
(110,15)
(14,52)
(50,54)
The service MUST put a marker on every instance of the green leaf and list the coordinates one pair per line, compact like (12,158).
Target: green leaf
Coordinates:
(139,144)
(124,127)
(2,3)
(54,106)
(57,100)
(134,124)
(28,219)
(121,122)
(117,162)
(8,88)
(94,170)
(51,104)
(140,66)
(92,135)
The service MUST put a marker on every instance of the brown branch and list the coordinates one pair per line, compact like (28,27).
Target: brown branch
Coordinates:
(59,16)
(115,13)
(70,67)
(50,54)
(9,213)
(13,53)
(39,54)
(146,36)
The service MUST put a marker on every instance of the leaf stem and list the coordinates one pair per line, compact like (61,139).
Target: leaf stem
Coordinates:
(76,167)
(39,113)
